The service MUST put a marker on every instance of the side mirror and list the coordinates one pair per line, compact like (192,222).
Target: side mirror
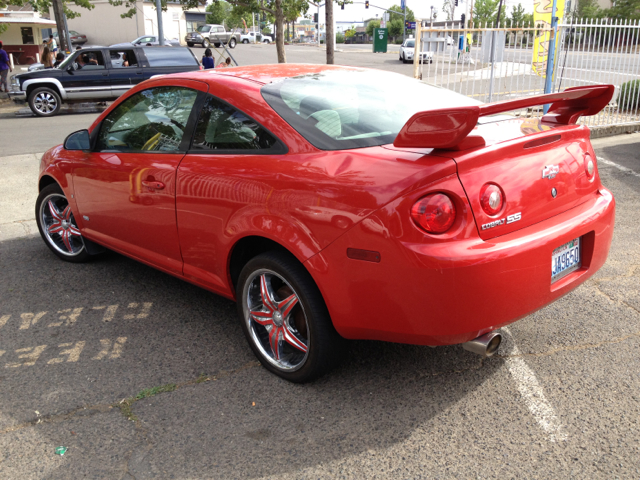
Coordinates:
(78,141)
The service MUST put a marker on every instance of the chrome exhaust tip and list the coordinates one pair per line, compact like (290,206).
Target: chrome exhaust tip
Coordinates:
(485,345)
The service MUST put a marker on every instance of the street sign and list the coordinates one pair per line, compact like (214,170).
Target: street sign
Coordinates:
(402,4)
(410,25)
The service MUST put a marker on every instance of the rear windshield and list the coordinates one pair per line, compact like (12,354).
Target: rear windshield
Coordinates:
(170,57)
(343,109)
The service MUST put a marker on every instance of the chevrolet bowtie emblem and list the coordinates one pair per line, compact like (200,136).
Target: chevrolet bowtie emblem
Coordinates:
(550,171)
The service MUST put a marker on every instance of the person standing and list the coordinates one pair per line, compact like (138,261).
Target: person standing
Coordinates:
(207,59)
(52,44)
(5,68)
(47,58)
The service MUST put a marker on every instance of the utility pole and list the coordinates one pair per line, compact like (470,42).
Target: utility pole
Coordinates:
(328,37)
(160,29)
(548,81)
(58,12)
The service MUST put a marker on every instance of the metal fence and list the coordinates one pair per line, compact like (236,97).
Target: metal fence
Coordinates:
(588,53)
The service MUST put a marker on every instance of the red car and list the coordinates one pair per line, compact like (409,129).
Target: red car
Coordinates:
(338,203)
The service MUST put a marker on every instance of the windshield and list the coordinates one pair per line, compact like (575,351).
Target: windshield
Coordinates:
(410,43)
(342,109)
(203,28)
(66,62)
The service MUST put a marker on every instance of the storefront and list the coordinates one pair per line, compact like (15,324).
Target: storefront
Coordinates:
(24,36)
(195,20)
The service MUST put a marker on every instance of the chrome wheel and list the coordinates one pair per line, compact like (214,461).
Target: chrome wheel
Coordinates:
(45,103)
(276,320)
(59,227)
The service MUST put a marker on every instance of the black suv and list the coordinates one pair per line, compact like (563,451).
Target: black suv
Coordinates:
(97,74)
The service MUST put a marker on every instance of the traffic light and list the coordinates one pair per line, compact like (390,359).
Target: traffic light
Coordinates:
(463,18)
(366,4)
(315,18)
(456,3)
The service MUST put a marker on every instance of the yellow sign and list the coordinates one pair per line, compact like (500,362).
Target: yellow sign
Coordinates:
(542,19)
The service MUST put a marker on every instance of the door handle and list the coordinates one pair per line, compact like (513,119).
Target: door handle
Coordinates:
(153,184)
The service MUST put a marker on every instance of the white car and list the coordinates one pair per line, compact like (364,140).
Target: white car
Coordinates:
(255,37)
(406,52)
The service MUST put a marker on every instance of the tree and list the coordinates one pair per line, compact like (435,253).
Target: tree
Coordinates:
(622,9)
(396,20)
(486,11)
(589,9)
(131,5)
(350,32)
(371,25)
(218,12)
(517,14)
(449,8)
(396,27)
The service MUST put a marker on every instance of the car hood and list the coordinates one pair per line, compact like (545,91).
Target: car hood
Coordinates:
(48,73)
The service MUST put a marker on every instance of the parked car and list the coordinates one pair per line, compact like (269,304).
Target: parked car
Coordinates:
(147,40)
(406,52)
(97,74)
(212,34)
(76,38)
(330,207)
(254,37)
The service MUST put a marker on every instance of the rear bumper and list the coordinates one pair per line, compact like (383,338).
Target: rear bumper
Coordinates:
(450,292)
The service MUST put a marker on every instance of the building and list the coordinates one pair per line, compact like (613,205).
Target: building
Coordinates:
(25,33)
(103,24)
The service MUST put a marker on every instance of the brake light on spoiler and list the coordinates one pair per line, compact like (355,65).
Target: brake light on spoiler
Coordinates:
(448,128)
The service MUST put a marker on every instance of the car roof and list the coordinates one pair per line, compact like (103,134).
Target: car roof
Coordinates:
(268,73)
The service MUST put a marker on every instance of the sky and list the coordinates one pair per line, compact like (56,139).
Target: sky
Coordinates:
(421,8)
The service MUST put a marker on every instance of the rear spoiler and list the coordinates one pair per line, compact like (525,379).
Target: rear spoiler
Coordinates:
(448,128)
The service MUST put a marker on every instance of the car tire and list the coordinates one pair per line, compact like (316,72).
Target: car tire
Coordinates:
(232,43)
(285,319)
(245,41)
(58,227)
(45,102)
(404,60)
(189,44)
(266,41)
(206,43)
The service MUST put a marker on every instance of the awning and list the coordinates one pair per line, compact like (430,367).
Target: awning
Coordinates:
(195,17)
(27,20)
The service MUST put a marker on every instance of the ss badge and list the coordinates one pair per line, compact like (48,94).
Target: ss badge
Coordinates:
(514,218)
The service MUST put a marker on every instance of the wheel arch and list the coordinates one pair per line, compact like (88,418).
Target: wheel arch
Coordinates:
(45,181)
(52,83)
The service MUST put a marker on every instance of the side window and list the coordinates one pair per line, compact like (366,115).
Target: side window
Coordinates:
(222,127)
(151,120)
(123,58)
(89,60)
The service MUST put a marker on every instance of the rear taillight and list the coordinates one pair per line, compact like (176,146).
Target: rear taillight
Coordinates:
(589,166)
(491,198)
(434,213)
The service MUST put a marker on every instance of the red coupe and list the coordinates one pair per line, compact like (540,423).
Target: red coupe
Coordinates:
(338,203)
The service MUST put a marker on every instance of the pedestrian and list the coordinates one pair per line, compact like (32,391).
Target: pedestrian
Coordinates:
(5,68)
(207,59)
(59,59)
(52,44)
(47,58)
(226,63)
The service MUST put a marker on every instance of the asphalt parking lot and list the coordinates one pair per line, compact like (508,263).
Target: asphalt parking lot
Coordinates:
(140,375)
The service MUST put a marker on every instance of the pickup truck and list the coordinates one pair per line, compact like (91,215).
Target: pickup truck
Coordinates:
(253,37)
(97,74)
(212,34)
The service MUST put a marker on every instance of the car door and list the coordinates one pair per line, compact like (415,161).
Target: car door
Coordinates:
(123,78)
(216,184)
(87,77)
(125,188)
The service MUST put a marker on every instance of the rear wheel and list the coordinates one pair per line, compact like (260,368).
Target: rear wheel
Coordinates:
(285,319)
(206,43)
(45,102)
(266,40)
(245,41)
(57,225)
(232,43)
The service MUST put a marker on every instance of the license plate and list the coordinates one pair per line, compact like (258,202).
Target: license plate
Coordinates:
(565,259)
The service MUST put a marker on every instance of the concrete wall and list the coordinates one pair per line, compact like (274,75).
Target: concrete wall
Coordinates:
(103,26)
(174,21)
(13,36)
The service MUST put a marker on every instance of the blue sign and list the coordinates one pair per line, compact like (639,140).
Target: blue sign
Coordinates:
(402,4)
(410,25)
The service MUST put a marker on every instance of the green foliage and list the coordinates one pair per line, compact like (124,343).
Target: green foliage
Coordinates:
(43,6)
(395,27)
(218,12)
(351,32)
(629,96)
(371,25)
(589,9)
(3,27)
(266,31)
(398,16)
(486,11)
(624,10)
(339,38)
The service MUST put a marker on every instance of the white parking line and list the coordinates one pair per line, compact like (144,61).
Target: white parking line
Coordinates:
(619,167)
(532,393)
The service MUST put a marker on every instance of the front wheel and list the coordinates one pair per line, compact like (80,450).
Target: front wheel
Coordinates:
(189,44)
(266,41)
(45,102)
(285,319)
(232,43)
(57,225)
(206,43)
